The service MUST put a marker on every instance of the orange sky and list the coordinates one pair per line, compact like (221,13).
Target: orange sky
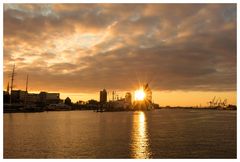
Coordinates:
(171,98)
(187,52)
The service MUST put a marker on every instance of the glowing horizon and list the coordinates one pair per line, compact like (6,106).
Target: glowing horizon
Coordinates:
(163,98)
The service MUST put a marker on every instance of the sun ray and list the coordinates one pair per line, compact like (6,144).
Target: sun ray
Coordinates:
(140,94)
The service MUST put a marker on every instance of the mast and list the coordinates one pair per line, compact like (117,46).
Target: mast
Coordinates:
(26,92)
(12,79)
(8,88)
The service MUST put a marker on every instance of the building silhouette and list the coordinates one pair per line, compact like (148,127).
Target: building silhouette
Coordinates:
(6,97)
(68,101)
(18,96)
(103,96)
(32,98)
(49,98)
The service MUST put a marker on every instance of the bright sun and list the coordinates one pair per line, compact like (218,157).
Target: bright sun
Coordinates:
(139,95)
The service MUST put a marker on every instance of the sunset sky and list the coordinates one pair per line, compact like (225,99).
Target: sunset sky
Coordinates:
(187,52)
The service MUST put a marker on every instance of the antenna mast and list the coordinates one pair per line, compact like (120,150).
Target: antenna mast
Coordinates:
(11,88)
(8,88)
(26,92)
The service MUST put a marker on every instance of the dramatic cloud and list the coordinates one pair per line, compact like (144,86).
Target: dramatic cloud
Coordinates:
(87,47)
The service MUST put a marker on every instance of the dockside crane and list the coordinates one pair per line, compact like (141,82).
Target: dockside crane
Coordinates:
(211,103)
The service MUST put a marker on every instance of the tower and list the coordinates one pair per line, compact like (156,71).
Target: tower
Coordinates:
(103,96)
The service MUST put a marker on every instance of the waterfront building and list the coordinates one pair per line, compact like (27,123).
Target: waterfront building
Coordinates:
(6,97)
(103,96)
(117,105)
(49,98)
(32,98)
(18,96)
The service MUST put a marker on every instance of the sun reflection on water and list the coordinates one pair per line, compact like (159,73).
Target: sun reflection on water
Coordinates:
(140,144)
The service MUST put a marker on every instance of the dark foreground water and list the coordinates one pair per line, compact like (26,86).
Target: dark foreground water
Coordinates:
(152,134)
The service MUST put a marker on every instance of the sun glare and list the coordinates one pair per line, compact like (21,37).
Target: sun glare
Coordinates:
(139,94)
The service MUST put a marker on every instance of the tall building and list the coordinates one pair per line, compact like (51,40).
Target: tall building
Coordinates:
(103,96)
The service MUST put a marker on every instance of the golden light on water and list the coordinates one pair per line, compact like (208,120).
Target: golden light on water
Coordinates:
(140,144)
(139,94)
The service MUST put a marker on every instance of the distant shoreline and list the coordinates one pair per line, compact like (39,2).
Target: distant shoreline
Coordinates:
(162,108)
(202,108)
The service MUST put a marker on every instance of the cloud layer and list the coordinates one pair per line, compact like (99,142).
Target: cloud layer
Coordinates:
(86,47)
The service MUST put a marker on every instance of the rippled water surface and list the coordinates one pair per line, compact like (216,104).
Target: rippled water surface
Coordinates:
(153,134)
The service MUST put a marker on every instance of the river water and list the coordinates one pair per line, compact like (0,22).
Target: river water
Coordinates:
(160,133)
